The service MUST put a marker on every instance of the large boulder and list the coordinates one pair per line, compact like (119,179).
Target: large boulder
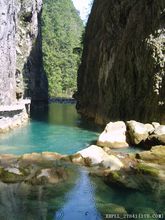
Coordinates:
(160,130)
(95,155)
(138,132)
(114,135)
(154,140)
(157,137)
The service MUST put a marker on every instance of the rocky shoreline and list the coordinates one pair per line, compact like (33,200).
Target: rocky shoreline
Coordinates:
(132,133)
(143,171)
(14,116)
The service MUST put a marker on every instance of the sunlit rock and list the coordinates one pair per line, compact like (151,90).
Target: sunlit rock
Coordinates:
(51,156)
(155,124)
(160,130)
(33,157)
(138,132)
(112,162)
(13,170)
(77,158)
(95,155)
(114,135)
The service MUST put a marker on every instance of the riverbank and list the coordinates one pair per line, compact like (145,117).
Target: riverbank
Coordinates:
(14,116)
(106,170)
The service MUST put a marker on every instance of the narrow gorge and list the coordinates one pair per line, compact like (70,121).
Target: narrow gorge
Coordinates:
(56,160)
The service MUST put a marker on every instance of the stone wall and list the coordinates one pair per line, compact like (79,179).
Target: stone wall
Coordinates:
(122,70)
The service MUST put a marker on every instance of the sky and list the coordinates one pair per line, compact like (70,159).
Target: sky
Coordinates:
(83,6)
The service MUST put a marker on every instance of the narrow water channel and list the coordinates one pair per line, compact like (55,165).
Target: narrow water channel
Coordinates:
(80,202)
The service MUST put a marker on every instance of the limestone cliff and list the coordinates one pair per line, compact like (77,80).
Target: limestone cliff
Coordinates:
(21,72)
(122,71)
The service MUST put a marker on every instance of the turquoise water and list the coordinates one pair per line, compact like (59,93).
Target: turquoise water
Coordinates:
(60,129)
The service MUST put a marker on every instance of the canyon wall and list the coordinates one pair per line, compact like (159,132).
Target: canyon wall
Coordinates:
(122,75)
(21,70)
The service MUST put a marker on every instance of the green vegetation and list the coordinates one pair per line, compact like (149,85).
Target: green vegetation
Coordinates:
(146,169)
(61,35)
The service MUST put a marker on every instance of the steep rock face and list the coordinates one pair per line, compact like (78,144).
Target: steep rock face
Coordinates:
(122,71)
(7,52)
(21,72)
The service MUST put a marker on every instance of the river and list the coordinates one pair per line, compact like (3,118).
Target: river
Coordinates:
(61,129)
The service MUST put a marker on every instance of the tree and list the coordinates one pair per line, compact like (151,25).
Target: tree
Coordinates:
(61,33)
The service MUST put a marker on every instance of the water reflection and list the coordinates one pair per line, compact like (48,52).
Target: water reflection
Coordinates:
(122,200)
(16,202)
(80,198)
(80,202)
(71,200)
(32,202)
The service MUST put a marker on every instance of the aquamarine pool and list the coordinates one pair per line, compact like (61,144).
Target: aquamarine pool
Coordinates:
(59,129)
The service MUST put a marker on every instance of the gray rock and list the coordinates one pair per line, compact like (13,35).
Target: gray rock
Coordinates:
(20,44)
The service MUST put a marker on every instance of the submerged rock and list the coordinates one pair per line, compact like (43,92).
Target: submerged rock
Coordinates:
(114,135)
(51,175)
(147,173)
(111,208)
(36,168)
(143,213)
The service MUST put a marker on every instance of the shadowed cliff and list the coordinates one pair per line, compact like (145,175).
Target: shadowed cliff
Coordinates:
(122,70)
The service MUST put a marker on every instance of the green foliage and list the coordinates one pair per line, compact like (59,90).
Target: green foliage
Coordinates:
(61,34)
